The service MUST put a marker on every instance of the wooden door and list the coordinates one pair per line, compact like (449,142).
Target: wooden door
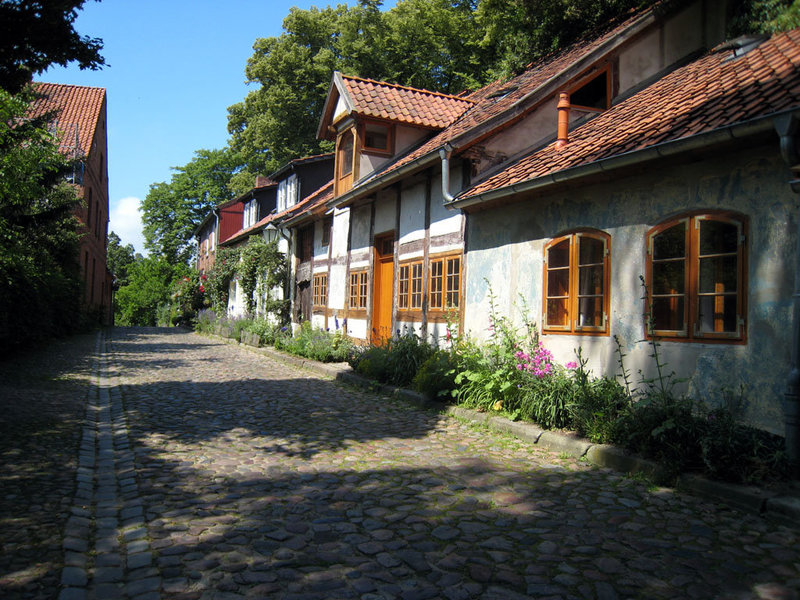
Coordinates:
(383,282)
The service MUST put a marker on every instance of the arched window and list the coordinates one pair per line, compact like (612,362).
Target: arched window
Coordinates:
(696,277)
(576,280)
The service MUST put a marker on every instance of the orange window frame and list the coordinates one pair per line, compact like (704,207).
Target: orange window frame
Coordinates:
(444,283)
(320,289)
(688,304)
(409,286)
(358,290)
(565,301)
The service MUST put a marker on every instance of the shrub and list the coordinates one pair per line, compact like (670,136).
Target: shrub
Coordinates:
(206,320)
(315,344)
(436,376)
(395,361)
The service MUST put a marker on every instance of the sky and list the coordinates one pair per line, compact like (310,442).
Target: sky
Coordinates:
(173,69)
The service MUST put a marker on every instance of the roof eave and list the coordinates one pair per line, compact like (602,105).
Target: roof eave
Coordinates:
(670,148)
(337,83)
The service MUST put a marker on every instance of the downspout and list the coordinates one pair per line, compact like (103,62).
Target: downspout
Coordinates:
(444,153)
(787,127)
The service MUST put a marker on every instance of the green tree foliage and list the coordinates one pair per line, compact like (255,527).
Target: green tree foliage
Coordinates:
(171,211)
(764,16)
(40,286)
(35,34)
(120,258)
(150,283)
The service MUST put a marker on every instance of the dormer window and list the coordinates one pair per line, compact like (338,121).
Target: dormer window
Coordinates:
(287,192)
(593,93)
(376,137)
(250,215)
(345,161)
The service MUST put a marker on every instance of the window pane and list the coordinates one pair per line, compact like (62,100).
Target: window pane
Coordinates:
(590,250)
(718,274)
(670,243)
(346,156)
(558,282)
(668,313)
(590,312)
(717,237)
(668,277)
(590,281)
(402,288)
(718,314)
(453,282)
(557,313)
(376,136)
(436,284)
(558,255)
(416,285)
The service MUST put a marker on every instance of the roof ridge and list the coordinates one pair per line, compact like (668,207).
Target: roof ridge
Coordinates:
(409,88)
(72,85)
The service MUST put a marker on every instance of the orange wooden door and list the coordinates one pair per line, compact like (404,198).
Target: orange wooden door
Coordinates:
(382,289)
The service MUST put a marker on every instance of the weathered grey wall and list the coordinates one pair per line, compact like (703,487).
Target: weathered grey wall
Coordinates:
(505,246)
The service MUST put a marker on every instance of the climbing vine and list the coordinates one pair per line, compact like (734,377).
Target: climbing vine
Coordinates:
(220,277)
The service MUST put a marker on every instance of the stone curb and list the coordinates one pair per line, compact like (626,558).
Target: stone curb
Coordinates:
(771,504)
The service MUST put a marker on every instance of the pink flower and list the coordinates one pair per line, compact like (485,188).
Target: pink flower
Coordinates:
(571,365)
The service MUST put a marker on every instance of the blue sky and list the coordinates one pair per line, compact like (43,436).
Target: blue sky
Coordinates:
(173,68)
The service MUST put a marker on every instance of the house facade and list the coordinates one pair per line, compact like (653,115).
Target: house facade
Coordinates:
(81,126)
(629,189)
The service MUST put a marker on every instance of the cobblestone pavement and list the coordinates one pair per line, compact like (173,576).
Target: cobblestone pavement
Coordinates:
(207,471)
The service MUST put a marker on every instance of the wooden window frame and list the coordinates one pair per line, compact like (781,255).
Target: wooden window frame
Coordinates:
(343,182)
(573,297)
(444,287)
(320,291)
(362,132)
(327,224)
(586,80)
(358,291)
(409,286)
(691,331)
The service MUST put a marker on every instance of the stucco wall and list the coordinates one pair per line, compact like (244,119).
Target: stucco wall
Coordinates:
(506,246)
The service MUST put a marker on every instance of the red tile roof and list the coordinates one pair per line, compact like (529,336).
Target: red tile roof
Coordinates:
(715,91)
(77,109)
(403,104)
(503,101)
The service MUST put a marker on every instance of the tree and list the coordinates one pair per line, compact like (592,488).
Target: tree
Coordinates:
(171,211)
(40,285)
(35,34)
(149,286)
(119,258)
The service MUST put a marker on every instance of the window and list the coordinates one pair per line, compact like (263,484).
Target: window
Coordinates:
(357,298)
(592,93)
(445,283)
(327,223)
(287,192)
(576,279)
(305,243)
(695,277)
(346,156)
(321,289)
(250,214)
(409,289)
(376,137)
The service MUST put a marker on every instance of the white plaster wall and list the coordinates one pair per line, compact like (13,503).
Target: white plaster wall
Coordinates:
(235,300)
(412,213)
(408,327)
(318,321)
(443,220)
(405,137)
(341,227)
(359,239)
(385,211)
(357,328)
(337,287)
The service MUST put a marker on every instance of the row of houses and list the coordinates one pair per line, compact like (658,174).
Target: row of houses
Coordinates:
(636,185)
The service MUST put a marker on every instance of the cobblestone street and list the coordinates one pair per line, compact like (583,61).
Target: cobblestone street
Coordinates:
(204,470)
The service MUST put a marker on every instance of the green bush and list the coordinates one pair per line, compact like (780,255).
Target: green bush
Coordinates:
(436,377)
(206,320)
(395,361)
(315,344)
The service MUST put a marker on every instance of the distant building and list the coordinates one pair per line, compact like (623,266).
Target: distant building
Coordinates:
(81,125)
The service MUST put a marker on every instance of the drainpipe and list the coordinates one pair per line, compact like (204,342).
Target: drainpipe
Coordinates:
(444,153)
(788,127)
(563,120)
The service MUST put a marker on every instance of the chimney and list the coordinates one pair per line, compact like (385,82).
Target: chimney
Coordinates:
(262,181)
(563,120)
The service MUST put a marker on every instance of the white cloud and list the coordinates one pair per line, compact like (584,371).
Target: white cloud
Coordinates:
(126,222)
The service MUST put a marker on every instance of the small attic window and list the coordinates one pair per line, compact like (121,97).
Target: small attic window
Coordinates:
(592,94)
(377,137)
